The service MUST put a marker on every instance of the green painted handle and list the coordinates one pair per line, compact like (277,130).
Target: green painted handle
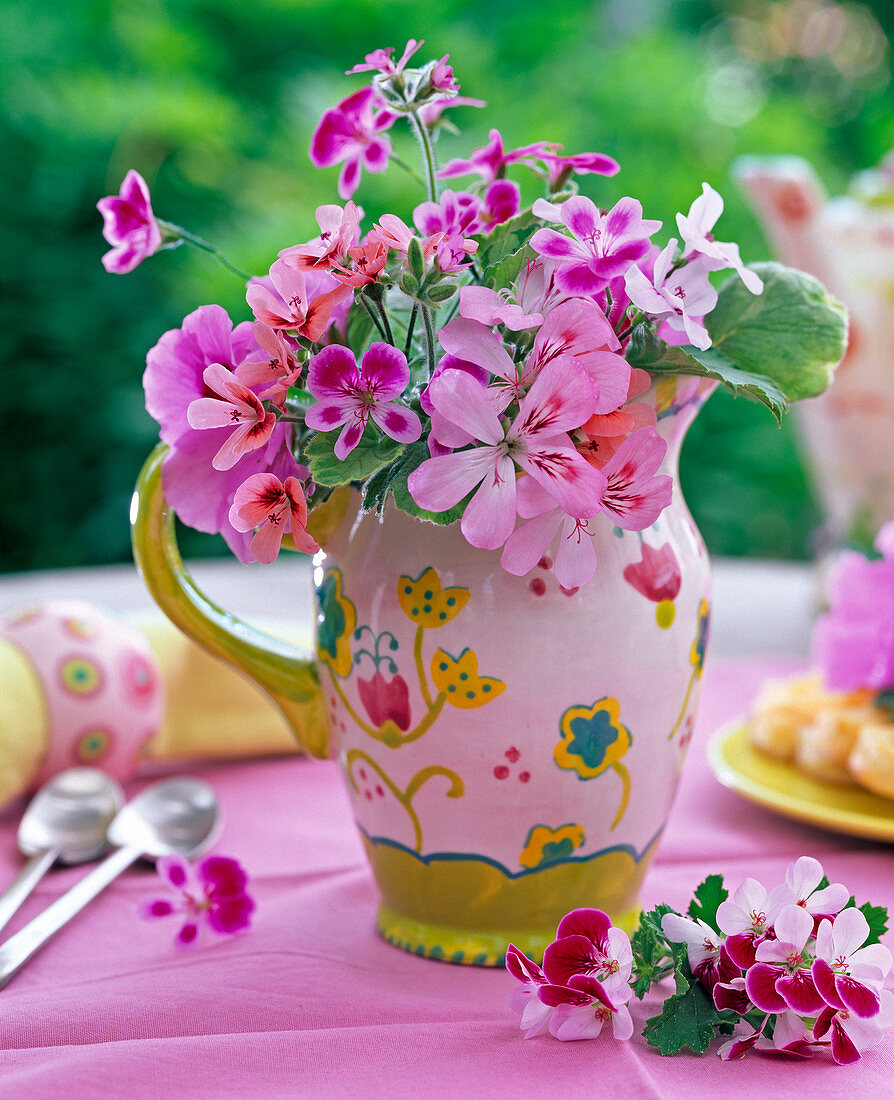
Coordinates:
(283,671)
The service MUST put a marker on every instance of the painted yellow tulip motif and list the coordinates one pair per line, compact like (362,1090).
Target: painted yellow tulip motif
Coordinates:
(457,679)
(544,845)
(427,603)
(594,740)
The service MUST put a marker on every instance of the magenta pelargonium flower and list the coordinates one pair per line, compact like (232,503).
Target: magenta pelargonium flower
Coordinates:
(349,396)
(211,894)
(129,225)
(490,161)
(351,133)
(853,644)
(381,60)
(602,245)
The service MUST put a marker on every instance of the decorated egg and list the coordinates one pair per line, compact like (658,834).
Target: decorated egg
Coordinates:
(79,687)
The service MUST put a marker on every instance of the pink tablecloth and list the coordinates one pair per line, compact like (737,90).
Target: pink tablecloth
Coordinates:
(311,1003)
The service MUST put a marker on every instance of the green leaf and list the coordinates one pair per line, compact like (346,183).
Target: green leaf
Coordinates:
(648,351)
(877,919)
(793,333)
(371,453)
(393,479)
(708,897)
(687,1019)
(651,954)
(505,272)
(505,242)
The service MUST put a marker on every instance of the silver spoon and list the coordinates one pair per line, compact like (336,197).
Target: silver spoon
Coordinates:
(175,816)
(65,822)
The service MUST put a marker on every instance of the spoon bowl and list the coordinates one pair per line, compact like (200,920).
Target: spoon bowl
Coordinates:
(175,816)
(71,815)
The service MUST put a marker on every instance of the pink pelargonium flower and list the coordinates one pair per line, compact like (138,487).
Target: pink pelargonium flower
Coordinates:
(129,225)
(584,1007)
(278,371)
(746,918)
(606,431)
(781,978)
(397,235)
(237,408)
(364,262)
(490,161)
(381,61)
(272,508)
(579,164)
(633,499)
(852,1034)
(705,950)
(853,643)
(535,294)
(680,297)
(602,246)
(536,441)
(339,230)
(291,300)
(351,132)
(588,943)
(575,332)
(212,894)
(848,975)
(430,113)
(535,1015)
(349,396)
(698,240)
(802,887)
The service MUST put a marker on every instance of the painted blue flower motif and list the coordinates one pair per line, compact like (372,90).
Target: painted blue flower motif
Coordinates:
(593,738)
(700,645)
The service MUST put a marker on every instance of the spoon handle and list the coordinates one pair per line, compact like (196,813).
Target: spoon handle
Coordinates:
(19,889)
(19,948)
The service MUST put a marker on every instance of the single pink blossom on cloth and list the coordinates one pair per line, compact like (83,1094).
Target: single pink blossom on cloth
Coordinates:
(173,379)
(349,396)
(584,1007)
(381,61)
(535,1015)
(680,297)
(847,974)
(235,407)
(490,161)
(536,441)
(657,574)
(850,1034)
(781,978)
(339,229)
(351,133)
(273,507)
(602,246)
(698,240)
(853,644)
(212,894)
(129,225)
(289,299)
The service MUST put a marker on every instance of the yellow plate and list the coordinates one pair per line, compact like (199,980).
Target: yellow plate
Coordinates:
(788,791)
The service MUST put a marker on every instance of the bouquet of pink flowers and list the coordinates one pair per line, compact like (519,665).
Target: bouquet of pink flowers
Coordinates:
(486,364)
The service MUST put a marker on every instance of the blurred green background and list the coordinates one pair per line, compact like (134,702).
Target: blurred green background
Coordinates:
(214,102)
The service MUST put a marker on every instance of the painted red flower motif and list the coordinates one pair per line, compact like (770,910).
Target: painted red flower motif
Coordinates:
(386,700)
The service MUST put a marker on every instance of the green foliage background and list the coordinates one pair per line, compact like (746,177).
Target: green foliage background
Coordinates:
(214,101)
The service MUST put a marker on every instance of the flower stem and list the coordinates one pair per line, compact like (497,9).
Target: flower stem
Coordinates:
(410,327)
(375,319)
(428,154)
(401,163)
(185,235)
(389,336)
(429,337)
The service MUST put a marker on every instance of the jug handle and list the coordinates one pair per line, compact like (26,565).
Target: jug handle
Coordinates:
(285,673)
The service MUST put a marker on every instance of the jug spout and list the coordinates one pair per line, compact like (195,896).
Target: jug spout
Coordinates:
(788,198)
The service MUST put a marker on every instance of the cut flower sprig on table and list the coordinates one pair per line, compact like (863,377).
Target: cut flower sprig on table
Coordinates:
(791,971)
(480,362)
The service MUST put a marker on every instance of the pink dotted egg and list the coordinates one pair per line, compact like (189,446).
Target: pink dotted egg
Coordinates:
(102,691)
